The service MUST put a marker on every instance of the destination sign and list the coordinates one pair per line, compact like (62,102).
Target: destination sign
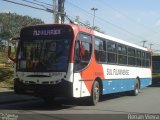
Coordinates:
(46,32)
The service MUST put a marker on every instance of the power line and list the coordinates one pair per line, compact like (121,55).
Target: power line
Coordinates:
(114,25)
(106,21)
(51,11)
(43,3)
(131,19)
(47,9)
(35,3)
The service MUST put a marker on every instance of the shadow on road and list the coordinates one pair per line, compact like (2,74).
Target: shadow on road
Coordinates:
(155,85)
(57,104)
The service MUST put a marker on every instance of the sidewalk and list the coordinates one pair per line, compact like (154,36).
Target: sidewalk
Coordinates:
(8,96)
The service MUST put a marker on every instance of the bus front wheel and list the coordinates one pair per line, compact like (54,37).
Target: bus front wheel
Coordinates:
(94,99)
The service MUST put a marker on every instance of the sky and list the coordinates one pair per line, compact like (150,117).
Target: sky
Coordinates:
(131,20)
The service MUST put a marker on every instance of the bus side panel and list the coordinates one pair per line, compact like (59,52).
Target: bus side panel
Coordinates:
(122,78)
(84,79)
(145,82)
(79,87)
(120,85)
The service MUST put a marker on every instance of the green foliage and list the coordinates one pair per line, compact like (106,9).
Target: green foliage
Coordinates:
(5,73)
(156,53)
(12,24)
(3,57)
(6,77)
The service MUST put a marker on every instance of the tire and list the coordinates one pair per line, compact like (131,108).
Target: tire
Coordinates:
(95,95)
(136,88)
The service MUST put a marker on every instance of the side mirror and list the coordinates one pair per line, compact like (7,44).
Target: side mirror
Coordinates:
(12,48)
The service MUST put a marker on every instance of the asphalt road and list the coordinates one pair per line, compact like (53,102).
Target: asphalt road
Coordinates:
(115,105)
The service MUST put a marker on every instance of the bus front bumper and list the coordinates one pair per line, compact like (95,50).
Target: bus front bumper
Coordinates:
(62,89)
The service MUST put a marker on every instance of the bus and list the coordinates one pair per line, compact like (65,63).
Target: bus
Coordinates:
(155,69)
(70,60)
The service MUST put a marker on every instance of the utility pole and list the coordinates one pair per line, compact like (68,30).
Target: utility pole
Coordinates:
(58,14)
(55,11)
(94,9)
(144,41)
(61,10)
(151,45)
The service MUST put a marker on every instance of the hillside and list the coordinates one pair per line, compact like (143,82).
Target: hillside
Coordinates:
(12,23)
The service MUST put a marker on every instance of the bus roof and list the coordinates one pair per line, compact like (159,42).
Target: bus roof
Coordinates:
(98,34)
(118,40)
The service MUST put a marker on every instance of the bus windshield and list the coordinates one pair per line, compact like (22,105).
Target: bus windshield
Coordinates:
(44,55)
(44,48)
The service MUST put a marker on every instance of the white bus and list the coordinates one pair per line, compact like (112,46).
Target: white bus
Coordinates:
(72,61)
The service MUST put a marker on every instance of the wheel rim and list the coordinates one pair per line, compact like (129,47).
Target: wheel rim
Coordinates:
(137,89)
(96,93)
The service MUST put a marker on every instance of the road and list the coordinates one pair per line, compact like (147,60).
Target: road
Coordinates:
(147,102)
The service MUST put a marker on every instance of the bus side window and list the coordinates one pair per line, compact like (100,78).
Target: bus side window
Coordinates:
(100,50)
(138,55)
(83,50)
(112,52)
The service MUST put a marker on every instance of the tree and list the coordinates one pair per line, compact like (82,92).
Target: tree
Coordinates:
(12,24)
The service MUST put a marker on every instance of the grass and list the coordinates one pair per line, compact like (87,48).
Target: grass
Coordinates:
(6,71)
(6,77)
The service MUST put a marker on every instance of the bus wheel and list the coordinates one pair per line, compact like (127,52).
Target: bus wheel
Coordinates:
(95,94)
(136,88)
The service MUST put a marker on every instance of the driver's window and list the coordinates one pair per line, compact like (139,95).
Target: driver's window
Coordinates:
(83,51)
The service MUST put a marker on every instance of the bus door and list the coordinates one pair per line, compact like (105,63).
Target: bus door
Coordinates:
(83,52)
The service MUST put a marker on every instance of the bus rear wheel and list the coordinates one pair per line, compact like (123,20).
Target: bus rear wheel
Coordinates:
(136,88)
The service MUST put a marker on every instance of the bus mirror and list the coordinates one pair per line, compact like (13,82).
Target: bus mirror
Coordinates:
(12,45)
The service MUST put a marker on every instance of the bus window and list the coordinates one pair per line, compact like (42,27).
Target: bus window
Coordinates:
(100,50)
(112,52)
(44,55)
(131,56)
(143,57)
(138,55)
(122,54)
(83,50)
